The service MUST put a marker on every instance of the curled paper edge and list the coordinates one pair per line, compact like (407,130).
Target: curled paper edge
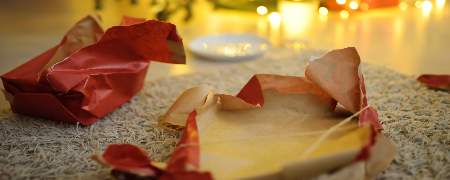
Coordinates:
(188,100)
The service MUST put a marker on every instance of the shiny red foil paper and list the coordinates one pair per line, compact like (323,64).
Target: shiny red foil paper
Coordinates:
(94,72)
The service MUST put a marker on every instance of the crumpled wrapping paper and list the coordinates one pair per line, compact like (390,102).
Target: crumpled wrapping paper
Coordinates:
(277,127)
(91,72)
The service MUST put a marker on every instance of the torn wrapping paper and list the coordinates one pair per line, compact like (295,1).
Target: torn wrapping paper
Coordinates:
(282,127)
(130,162)
(90,72)
(435,81)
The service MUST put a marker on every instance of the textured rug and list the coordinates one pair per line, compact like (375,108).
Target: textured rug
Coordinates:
(414,117)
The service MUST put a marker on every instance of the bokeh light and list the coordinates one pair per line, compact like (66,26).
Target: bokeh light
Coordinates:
(275,18)
(427,6)
(262,10)
(323,11)
(440,4)
(353,5)
(341,2)
(418,4)
(403,6)
(344,14)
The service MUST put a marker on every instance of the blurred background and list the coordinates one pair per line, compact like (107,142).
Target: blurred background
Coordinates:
(409,36)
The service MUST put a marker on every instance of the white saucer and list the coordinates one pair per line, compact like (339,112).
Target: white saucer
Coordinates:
(229,47)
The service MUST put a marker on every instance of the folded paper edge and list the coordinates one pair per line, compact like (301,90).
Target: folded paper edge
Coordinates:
(250,96)
(252,92)
(345,58)
(177,115)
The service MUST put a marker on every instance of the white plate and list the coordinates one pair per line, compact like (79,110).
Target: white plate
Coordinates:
(230,47)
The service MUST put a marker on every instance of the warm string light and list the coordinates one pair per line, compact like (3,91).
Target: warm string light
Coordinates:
(323,11)
(353,5)
(440,4)
(427,6)
(275,18)
(418,4)
(274,24)
(341,2)
(344,14)
(262,10)
(403,6)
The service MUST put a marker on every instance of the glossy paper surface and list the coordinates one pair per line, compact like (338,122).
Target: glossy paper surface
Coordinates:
(91,72)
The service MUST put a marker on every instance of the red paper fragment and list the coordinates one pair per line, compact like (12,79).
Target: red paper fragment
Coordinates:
(368,115)
(186,156)
(435,81)
(91,73)
(252,92)
(128,158)
(131,162)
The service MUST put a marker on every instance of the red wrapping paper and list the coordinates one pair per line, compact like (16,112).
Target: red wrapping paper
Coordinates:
(131,162)
(82,82)
(186,155)
(128,159)
(435,81)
